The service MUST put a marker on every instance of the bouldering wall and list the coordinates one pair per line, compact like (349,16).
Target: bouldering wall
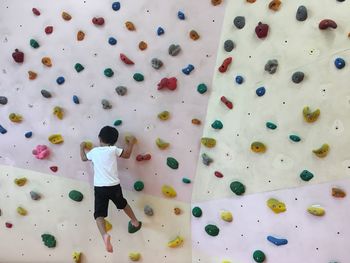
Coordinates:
(270,166)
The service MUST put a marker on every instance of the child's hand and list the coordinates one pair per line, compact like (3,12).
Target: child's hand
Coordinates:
(130,139)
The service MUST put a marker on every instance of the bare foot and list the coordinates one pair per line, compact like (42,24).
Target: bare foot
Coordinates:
(107,240)
(135,223)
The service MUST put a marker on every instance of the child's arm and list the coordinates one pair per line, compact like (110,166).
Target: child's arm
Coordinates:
(128,149)
(82,152)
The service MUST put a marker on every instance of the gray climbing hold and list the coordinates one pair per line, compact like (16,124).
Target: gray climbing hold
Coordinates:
(174,50)
(35,195)
(297,77)
(229,45)
(206,159)
(301,14)
(271,66)
(239,22)
(45,93)
(156,63)
(3,100)
(121,90)
(106,104)
(148,210)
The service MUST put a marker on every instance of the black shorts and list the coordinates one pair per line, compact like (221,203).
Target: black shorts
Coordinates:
(102,196)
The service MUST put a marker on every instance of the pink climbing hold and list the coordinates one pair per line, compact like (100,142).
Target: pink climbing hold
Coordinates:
(143,157)
(218,174)
(168,83)
(18,56)
(126,60)
(36,11)
(41,152)
(48,30)
(327,23)
(99,21)
(225,64)
(227,102)
(54,168)
(261,30)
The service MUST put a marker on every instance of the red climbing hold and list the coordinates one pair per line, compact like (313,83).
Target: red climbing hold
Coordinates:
(99,21)
(261,30)
(54,168)
(18,56)
(145,157)
(227,102)
(218,174)
(126,60)
(8,225)
(169,83)
(225,64)
(48,30)
(36,11)
(327,23)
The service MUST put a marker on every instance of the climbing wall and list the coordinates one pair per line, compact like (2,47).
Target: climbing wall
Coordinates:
(263,148)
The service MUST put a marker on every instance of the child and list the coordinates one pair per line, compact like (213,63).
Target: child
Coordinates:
(106,180)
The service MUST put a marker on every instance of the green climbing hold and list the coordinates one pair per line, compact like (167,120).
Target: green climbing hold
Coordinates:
(186,180)
(108,72)
(197,211)
(34,43)
(118,122)
(49,240)
(138,77)
(237,187)
(212,230)
(306,175)
(259,256)
(295,138)
(76,195)
(202,88)
(271,125)
(138,186)
(217,125)
(172,163)
(78,67)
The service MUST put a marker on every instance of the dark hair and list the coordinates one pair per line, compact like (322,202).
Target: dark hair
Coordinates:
(108,135)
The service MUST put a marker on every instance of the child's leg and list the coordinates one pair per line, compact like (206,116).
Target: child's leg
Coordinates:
(128,211)
(101,224)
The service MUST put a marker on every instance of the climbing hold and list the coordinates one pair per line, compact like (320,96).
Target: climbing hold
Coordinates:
(112,41)
(276,206)
(301,14)
(108,72)
(56,138)
(226,216)
(212,230)
(298,77)
(58,112)
(156,63)
(130,26)
(327,23)
(54,168)
(32,75)
(168,191)
(134,256)
(197,211)
(216,2)
(162,144)
(98,21)
(18,56)
(322,151)
(181,15)
(121,90)
(138,186)
(196,121)
(261,30)
(138,77)
(208,142)
(48,30)
(2,130)
(206,159)
(35,11)
(60,80)
(295,138)
(66,16)
(226,102)
(88,145)
(310,116)
(20,181)
(260,91)
(21,211)
(339,63)
(164,115)
(316,210)
(142,45)
(258,147)
(143,157)
(34,44)
(76,257)
(106,104)
(76,99)
(217,125)
(275,5)
(80,35)
(78,67)
(34,195)
(3,100)
(271,66)
(259,256)
(306,175)
(277,241)
(229,45)
(218,174)
(194,35)
(41,152)
(15,117)
(8,225)
(46,61)
(75,195)
(271,125)
(176,242)
(168,83)
(49,240)
(118,122)
(337,192)
(129,138)
(172,163)
(239,22)
(160,31)
(202,88)
(239,80)
(177,211)
(173,50)
(187,70)
(116,6)
(28,134)
(237,187)
(148,210)
(225,64)
(186,180)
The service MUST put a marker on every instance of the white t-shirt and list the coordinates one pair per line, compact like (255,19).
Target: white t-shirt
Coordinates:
(104,160)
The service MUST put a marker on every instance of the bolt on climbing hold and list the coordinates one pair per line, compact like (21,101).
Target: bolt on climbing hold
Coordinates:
(337,192)
(66,16)
(98,21)
(121,90)
(80,35)
(58,112)
(3,100)
(218,174)
(49,240)
(206,159)
(322,151)
(339,63)
(327,23)
(156,63)
(316,210)
(261,30)
(224,66)
(276,206)
(56,138)
(148,210)
(138,186)
(310,116)
(48,30)
(160,31)
(196,121)
(306,175)
(162,144)
(28,134)
(260,91)
(2,130)
(178,241)
(36,11)
(174,50)
(237,187)
(106,104)
(229,45)
(108,72)
(168,191)
(239,80)
(118,123)
(18,56)
(275,5)
(34,44)
(130,26)
(258,147)
(112,41)
(34,195)
(138,77)
(277,241)
(194,35)
(76,99)
(168,83)
(298,77)
(172,163)
(20,181)
(239,22)
(227,102)
(32,75)
(134,256)
(177,211)
(197,211)
(212,230)
(78,67)
(217,125)
(76,256)
(181,15)
(271,66)
(202,88)
(60,80)
(271,125)
(164,115)
(76,195)
(208,142)
(226,216)
(216,2)
(126,60)
(46,61)
(295,138)
(187,70)
(143,157)
(116,6)
(41,152)
(301,14)
(186,180)
(259,256)
(21,211)
(142,45)
(15,117)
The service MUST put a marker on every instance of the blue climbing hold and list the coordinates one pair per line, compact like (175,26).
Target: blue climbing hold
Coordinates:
(60,80)
(2,130)
(277,241)
(76,99)
(339,63)
(239,79)
(112,41)
(181,15)
(160,31)
(188,69)
(116,6)
(28,134)
(260,91)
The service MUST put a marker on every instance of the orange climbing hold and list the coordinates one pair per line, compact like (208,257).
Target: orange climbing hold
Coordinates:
(337,192)
(66,16)
(46,61)
(275,5)
(177,211)
(194,35)
(32,75)
(142,45)
(80,35)
(130,26)
(196,122)
(251,1)
(143,157)
(216,2)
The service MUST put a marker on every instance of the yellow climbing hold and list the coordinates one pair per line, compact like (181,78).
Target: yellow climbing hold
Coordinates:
(164,115)
(134,256)
(310,116)
(162,144)
(56,138)
(168,191)
(258,147)
(225,261)
(226,216)
(20,181)
(15,117)
(322,151)
(21,211)
(276,206)
(208,142)
(76,257)
(176,242)
(88,145)
(128,138)
(58,111)
(108,225)
(46,61)
(316,210)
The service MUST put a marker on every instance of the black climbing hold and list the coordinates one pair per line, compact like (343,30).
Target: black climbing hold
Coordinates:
(45,93)
(3,100)
(229,45)
(301,14)
(271,66)
(156,63)
(121,90)
(297,77)
(239,22)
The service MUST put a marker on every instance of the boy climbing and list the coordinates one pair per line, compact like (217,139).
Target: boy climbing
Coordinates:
(106,180)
